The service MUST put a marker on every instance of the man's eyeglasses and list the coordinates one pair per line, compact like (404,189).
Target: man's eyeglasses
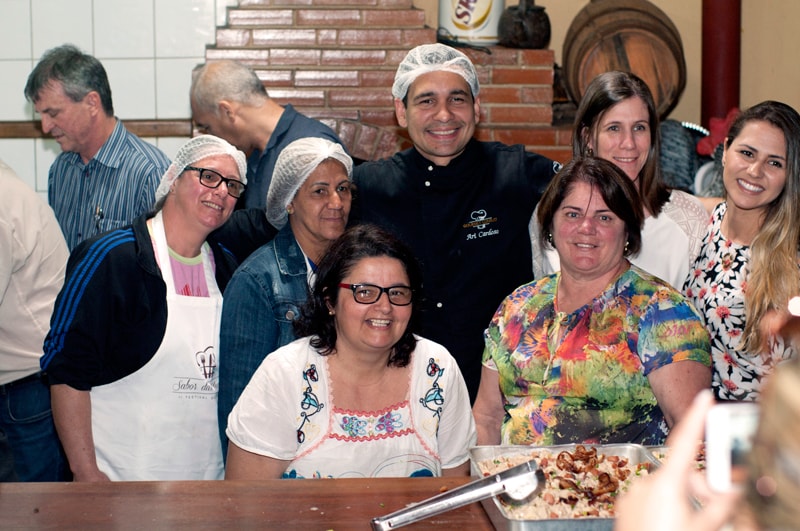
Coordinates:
(212,179)
(370,293)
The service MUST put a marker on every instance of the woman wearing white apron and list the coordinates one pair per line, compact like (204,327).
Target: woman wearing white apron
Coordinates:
(133,348)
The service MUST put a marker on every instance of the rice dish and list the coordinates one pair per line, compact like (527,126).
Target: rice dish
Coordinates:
(578,484)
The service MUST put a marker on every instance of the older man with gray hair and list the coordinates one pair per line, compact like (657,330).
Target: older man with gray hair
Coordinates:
(463,205)
(106,176)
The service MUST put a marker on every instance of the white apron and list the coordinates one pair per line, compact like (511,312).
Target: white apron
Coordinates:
(160,423)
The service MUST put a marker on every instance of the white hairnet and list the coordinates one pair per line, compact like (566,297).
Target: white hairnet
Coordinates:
(198,148)
(433,58)
(295,163)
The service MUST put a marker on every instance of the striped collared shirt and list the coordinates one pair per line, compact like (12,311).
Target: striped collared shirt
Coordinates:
(116,185)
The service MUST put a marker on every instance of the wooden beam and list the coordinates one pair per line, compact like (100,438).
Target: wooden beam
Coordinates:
(142,128)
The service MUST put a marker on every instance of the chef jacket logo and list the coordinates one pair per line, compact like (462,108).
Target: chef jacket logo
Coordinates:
(207,362)
(480,221)
(479,215)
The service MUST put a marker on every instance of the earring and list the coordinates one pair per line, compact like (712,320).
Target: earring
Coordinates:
(550,238)
(625,251)
(590,152)
(331,312)
(289,210)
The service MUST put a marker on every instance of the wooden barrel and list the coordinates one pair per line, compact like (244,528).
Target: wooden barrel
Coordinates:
(628,35)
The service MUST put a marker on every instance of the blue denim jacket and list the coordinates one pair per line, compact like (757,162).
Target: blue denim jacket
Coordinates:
(261,301)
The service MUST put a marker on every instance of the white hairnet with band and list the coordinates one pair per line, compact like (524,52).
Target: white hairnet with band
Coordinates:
(199,148)
(433,58)
(295,163)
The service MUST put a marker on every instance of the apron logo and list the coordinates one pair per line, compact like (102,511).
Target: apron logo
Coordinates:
(207,362)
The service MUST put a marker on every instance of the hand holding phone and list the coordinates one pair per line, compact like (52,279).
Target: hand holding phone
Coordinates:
(730,428)
(663,501)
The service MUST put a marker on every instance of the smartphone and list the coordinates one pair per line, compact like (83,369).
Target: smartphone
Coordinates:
(730,428)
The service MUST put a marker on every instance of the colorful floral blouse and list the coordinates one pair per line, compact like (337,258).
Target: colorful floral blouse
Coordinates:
(716,286)
(582,377)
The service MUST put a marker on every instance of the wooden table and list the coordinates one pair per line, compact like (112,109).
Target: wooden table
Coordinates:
(312,504)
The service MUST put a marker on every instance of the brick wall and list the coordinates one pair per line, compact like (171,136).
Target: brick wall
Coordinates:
(335,60)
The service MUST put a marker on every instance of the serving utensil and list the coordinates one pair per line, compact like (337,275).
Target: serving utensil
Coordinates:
(516,485)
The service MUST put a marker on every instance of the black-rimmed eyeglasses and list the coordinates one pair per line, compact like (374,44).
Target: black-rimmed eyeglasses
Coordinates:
(370,293)
(212,179)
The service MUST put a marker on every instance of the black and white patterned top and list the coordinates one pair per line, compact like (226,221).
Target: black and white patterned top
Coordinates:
(716,286)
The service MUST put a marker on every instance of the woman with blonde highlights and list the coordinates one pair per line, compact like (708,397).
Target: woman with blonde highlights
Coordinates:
(748,264)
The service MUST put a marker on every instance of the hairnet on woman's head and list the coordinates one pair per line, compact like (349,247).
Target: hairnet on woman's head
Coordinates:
(433,58)
(198,148)
(295,163)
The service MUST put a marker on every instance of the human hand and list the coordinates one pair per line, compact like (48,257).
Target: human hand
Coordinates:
(662,501)
(94,475)
(785,323)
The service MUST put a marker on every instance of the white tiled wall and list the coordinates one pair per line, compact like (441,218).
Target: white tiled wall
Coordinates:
(148,48)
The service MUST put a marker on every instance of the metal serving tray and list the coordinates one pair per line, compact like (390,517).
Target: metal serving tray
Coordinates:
(635,453)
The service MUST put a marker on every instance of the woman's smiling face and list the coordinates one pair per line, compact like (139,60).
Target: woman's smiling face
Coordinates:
(589,237)
(372,327)
(622,136)
(754,171)
(210,207)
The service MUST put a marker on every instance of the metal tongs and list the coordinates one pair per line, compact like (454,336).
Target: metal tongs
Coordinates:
(517,484)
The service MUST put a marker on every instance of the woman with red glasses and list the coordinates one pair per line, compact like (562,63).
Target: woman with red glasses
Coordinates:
(360,395)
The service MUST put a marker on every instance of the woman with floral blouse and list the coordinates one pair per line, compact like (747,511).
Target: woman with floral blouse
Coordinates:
(600,352)
(748,264)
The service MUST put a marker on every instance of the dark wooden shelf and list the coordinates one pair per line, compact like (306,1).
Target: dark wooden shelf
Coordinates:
(142,128)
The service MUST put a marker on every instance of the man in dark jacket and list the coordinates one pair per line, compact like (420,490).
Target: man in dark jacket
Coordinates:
(461,204)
